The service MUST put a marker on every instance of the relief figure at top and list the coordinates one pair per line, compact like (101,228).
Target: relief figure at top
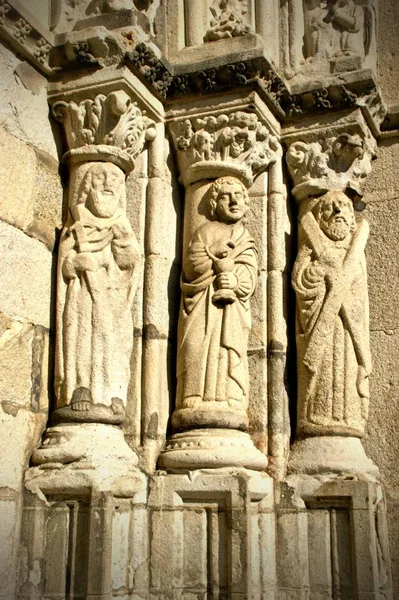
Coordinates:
(338,28)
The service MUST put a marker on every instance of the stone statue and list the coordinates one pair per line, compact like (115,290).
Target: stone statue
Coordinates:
(99,256)
(329,278)
(337,27)
(320,37)
(228,21)
(219,277)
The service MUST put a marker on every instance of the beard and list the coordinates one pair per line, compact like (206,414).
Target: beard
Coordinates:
(103,204)
(336,230)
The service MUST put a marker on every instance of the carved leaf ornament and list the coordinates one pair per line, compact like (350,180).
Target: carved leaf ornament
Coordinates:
(237,137)
(112,121)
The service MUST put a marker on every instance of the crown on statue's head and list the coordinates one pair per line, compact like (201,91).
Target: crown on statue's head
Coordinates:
(109,128)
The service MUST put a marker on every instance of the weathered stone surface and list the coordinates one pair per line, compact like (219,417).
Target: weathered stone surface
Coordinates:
(17,180)
(382,256)
(20,434)
(9,529)
(380,439)
(26,297)
(47,200)
(16,364)
(381,184)
(23,113)
(387,50)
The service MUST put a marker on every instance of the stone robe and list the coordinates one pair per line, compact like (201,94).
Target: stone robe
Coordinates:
(94,319)
(212,351)
(332,333)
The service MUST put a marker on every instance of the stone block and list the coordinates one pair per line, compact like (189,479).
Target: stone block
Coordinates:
(205,528)
(292,552)
(24,113)
(382,183)
(16,365)
(26,296)
(381,434)
(17,180)
(387,49)
(47,201)
(393,533)
(9,529)
(20,435)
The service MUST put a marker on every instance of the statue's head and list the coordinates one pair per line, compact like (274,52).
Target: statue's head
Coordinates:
(335,215)
(103,186)
(229,200)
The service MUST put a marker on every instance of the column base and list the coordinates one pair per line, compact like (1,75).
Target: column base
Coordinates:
(330,454)
(86,445)
(211,449)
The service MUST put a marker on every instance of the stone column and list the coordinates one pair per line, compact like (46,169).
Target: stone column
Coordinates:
(98,267)
(219,156)
(330,281)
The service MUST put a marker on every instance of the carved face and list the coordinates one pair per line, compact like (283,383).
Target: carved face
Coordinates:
(336,216)
(106,183)
(231,203)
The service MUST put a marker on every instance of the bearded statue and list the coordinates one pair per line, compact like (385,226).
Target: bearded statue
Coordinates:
(98,267)
(329,278)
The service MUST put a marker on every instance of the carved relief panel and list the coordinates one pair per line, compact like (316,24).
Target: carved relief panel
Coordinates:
(207,21)
(330,36)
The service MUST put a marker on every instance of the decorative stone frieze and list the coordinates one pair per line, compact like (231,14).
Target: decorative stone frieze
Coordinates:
(289,102)
(98,266)
(22,30)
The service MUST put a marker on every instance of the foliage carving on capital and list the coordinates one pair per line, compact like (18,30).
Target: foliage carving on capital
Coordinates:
(238,139)
(336,163)
(109,127)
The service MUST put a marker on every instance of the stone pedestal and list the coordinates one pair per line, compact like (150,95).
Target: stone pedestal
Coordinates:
(84,534)
(332,539)
(212,532)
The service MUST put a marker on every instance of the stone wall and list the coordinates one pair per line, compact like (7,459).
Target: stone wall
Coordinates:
(31,215)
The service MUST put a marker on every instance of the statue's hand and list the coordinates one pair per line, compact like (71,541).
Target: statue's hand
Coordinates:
(68,268)
(221,249)
(227,281)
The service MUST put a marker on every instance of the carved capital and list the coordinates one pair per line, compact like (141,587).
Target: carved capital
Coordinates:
(110,128)
(237,143)
(340,162)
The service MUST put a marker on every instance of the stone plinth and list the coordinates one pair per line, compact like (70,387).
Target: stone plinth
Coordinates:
(212,532)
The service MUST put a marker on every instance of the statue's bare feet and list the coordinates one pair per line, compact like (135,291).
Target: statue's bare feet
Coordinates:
(81,399)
